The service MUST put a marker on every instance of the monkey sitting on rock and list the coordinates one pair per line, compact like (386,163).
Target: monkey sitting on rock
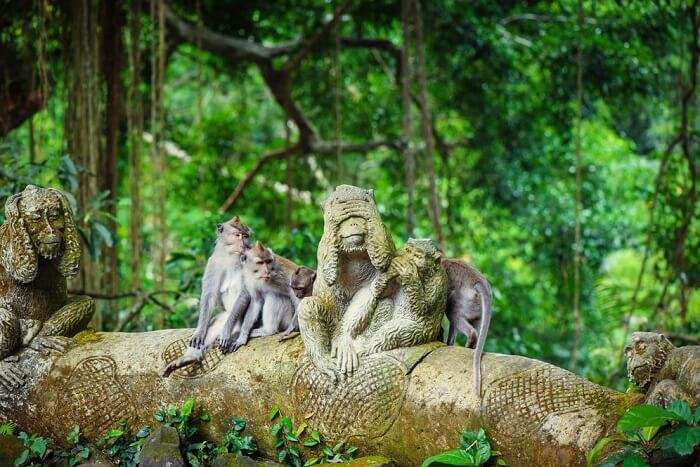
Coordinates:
(302,284)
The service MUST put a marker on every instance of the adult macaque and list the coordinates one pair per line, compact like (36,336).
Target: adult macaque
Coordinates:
(267,289)
(302,284)
(409,298)
(221,286)
(468,308)
(222,280)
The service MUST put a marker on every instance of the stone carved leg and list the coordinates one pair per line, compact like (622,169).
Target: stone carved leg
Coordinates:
(71,319)
(665,391)
(11,375)
(314,328)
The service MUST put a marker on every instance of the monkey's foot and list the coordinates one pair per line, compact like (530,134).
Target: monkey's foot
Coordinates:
(197,339)
(286,335)
(12,377)
(229,345)
(48,344)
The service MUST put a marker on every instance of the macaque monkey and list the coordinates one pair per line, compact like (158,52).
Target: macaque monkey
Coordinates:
(267,289)
(302,284)
(221,286)
(468,307)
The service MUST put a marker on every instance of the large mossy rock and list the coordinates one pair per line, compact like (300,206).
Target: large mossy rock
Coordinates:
(405,404)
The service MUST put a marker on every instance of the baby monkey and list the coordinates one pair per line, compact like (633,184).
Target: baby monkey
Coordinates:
(468,307)
(302,284)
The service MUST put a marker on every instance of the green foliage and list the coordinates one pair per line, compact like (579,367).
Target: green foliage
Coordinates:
(645,428)
(288,444)
(7,429)
(188,420)
(121,445)
(36,450)
(235,442)
(474,449)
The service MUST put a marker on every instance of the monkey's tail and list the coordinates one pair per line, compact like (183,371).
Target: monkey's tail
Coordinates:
(486,298)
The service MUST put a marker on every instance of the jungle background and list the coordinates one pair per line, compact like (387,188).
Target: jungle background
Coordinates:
(554,145)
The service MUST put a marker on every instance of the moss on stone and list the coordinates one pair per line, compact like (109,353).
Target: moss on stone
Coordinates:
(87,337)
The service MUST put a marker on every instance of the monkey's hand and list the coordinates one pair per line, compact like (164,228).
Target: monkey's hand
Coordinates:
(197,339)
(30,329)
(50,344)
(347,359)
(228,345)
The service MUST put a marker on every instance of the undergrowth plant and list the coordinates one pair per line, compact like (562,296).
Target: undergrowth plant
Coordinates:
(644,429)
(235,442)
(188,420)
(288,439)
(474,449)
(123,446)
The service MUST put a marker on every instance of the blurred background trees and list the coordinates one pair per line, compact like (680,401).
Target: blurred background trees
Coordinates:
(468,118)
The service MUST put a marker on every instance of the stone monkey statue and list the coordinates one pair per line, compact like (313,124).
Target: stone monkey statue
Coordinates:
(354,248)
(664,371)
(468,308)
(268,296)
(415,290)
(221,285)
(39,249)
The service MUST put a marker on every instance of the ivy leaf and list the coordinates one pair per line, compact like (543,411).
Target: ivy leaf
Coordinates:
(187,408)
(683,440)
(239,424)
(452,457)
(22,458)
(644,415)
(38,447)
(273,412)
(682,411)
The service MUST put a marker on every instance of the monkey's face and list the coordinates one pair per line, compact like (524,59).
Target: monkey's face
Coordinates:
(45,222)
(646,355)
(263,266)
(302,281)
(352,233)
(237,240)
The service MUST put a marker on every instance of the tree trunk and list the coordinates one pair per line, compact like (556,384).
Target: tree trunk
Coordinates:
(406,120)
(426,124)
(406,404)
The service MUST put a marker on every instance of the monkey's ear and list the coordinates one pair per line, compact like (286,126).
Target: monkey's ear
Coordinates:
(69,264)
(18,256)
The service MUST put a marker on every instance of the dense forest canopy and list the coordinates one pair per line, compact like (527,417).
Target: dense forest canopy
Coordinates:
(552,144)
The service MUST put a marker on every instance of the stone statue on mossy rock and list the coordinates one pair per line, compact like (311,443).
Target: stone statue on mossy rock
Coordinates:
(367,371)
(664,372)
(367,297)
(39,250)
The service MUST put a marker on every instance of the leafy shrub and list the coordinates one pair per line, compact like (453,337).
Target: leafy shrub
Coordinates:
(640,432)
(474,449)
(36,451)
(287,440)
(187,420)
(123,446)
(235,442)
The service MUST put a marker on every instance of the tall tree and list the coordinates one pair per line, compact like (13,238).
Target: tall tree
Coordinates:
(406,120)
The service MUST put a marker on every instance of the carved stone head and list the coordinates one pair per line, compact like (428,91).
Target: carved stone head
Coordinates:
(646,355)
(423,251)
(39,225)
(235,235)
(352,226)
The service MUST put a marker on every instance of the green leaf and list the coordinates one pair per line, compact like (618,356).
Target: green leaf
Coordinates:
(644,415)
(287,424)
(144,432)
(301,429)
(696,417)
(38,447)
(239,424)
(634,460)
(648,432)
(187,408)
(159,416)
(452,457)
(338,446)
(273,412)
(74,435)
(312,461)
(22,458)
(682,411)
(594,453)
(309,443)
(316,436)
(683,440)
(7,429)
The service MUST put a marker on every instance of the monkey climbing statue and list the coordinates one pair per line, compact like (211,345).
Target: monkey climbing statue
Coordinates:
(664,371)
(354,251)
(40,248)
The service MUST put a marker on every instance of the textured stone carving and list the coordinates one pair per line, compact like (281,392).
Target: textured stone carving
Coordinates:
(663,371)
(353,310)
(39,249)
(379,387)
(212,358)
(94,399)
